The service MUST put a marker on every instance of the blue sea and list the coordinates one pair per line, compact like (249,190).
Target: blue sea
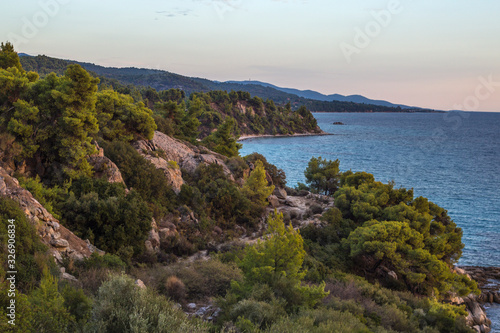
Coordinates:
(451,158)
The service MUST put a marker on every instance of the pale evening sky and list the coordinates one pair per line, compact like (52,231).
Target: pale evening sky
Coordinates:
(437,54)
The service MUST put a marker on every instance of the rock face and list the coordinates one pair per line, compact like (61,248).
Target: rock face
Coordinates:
(488,280)
(305,208)
(60,240)
(163,148)
(105,168)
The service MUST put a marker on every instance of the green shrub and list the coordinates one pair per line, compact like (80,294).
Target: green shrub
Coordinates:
(260,314)
(121,306)
(103,213)
(142,176)
(49,198)
(173,165)
(105,261)
(320,321)
(78,305)
(205,279)
(47,305)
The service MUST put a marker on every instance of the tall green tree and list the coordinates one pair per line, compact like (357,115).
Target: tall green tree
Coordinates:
(323,175)
(255,187)
(120,118)
(47,305)
(224,140)
(280,255)
(276,262)
(8,57)
(190,123)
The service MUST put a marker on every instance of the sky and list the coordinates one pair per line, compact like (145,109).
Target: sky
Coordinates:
(436,54)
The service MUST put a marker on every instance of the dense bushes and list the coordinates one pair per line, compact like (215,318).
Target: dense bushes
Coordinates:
(377,228)
(120,306)
(103,213)
(142,176)
(277,176)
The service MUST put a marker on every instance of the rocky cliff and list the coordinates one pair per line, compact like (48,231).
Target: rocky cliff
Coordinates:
(60,240)
(171,155)
(488,280)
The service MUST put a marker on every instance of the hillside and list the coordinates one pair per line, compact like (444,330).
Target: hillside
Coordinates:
(126,219)
(162,80)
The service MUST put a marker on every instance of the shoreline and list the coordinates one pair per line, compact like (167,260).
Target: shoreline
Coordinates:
(256,136)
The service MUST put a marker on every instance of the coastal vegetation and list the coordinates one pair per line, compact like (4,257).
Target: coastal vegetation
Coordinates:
(178,232)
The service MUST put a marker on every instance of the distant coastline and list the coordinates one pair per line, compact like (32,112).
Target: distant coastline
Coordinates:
(255,136)
(402,111)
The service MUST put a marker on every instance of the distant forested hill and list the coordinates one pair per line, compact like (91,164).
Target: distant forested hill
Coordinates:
(162,80)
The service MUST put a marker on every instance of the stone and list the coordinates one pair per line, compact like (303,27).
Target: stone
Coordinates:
(280,193)
(496,298)
(59,243)
(273,201)
(3,186)
(484,329)
(69,277)
(218,230)
(191,306)
(140,284)
(477,312)
(166,233)
(149,247)
(154,238)
(105,168)
(187,156)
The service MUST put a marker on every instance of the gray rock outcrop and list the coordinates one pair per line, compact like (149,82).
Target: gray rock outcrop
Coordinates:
(187,156)
(60,240)
(105,168)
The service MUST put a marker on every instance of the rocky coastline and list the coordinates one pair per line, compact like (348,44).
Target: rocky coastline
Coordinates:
(488,280)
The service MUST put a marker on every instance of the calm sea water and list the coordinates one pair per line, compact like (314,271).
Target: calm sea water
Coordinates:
(453,159)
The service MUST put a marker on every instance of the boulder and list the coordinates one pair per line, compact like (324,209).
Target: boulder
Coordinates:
(478,314)
(154,239)
(280,193)
(273,201)
(105,168)
(59,243)
(165,233)
(170,170)
(68,277)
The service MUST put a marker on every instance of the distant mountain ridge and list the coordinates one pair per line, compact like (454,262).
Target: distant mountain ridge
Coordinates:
(164,80)
(311,94)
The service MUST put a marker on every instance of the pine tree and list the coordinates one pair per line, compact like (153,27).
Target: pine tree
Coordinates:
(256,188)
